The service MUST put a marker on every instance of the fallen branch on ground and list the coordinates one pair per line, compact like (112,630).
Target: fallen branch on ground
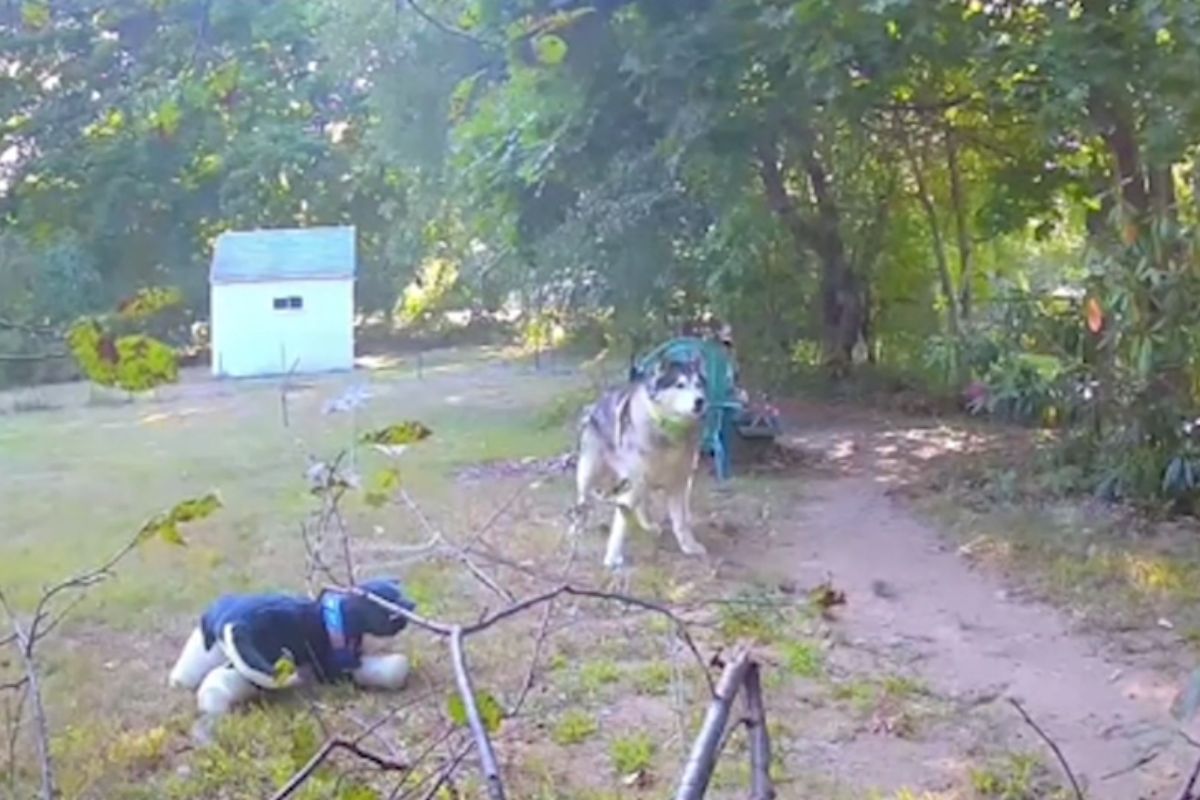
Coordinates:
(742,671)
(456,634)
(1062,760)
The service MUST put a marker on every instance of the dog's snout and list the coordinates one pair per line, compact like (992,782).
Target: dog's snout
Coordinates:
(699,404)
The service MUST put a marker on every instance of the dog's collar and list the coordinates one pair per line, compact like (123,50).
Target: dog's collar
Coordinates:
(343,648)
(673,429)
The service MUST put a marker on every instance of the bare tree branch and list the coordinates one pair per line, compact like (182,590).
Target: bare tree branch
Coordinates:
(25,643)
(14,716)
(326,750)
(32,357)
(1189,790)
(446,773)
(531,674)
(12,686)
(761,787)
(483,743)
(458,554)
(445,27)
(699,767)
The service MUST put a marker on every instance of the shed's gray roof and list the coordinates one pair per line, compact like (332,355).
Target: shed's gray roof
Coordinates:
(283,254)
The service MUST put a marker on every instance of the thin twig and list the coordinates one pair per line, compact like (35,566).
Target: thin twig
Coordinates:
(543,630)
(459,554)
(327,749)
(445,27)
(400,790)
(1053,746)
(14,719)
(446,773)
(595,594)
(495,516)
(1189,790)
(83,580)
(531,674)
(41,727)
(443,629)
(22,357)
(1136,765)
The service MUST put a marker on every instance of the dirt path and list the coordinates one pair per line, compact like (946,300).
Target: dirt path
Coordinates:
(914,597)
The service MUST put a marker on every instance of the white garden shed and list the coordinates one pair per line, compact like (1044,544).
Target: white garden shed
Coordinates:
(282,300)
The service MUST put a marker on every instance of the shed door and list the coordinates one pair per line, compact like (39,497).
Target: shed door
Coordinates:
(294,328)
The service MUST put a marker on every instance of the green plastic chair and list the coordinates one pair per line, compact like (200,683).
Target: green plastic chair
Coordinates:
(723,406)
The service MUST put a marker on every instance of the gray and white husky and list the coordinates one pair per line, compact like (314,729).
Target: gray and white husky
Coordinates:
(639,440)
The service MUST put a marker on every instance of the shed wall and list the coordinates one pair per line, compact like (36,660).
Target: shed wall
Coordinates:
(251,337)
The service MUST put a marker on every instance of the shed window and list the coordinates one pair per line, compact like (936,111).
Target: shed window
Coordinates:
(284,303)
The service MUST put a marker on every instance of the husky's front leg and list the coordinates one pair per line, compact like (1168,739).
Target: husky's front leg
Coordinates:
(679,507)
(614,554)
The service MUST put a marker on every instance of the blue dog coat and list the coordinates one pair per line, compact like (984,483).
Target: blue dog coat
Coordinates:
(324,634)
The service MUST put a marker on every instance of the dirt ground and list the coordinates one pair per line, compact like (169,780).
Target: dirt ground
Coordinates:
(901,692)
(915,598)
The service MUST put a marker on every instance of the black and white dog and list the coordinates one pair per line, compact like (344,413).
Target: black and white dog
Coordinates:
(642,439)
(237,649)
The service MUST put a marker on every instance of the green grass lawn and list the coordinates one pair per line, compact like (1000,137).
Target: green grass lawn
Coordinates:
(612,689)
(79,480)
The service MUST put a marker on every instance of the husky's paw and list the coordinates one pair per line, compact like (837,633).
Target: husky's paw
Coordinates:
(693,548)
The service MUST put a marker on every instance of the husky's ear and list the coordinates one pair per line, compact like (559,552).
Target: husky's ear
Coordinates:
(654,371)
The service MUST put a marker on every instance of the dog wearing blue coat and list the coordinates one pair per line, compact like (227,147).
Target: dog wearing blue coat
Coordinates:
(234,653)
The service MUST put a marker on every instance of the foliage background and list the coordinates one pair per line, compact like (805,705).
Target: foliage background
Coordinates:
(982,190)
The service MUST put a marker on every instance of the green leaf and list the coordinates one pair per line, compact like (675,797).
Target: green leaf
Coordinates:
(1145,357)
(470,18)
(383,485)
(402,433)
(165,526)
(550,49)
(196,508)
(490,710)
(35,15)
(170,534)
(285,669)
(166,118)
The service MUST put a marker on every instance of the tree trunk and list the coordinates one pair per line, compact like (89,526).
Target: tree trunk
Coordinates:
(1162,193)
(1117,129)
(867,327)
(939,245)
(865,255)
(965,251)
(841,297)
